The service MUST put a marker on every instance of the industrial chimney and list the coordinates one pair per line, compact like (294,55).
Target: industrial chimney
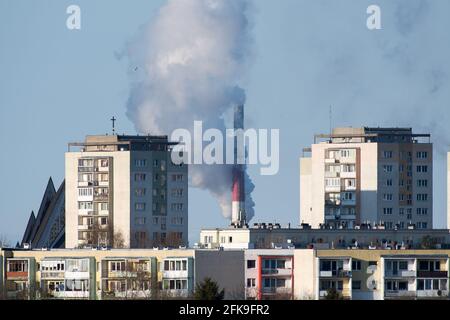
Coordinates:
(238,218)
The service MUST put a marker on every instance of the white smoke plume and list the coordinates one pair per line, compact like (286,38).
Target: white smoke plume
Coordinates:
(188,64)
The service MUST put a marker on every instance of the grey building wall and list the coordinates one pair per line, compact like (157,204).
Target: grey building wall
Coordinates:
(224,267)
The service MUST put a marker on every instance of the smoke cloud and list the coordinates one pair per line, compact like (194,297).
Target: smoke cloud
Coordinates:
(188,64)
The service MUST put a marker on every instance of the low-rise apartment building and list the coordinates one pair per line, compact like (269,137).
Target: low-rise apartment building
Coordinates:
(117,273)
(357,274)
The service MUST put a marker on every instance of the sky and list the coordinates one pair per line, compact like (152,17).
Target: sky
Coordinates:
(57,85)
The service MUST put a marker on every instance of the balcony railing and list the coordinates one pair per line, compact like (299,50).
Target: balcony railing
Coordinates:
(336,273)
(400,273)
(432,274)
(279,272)
(399,293)
(432,293)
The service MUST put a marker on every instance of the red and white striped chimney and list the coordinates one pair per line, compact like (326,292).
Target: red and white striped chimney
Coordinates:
(238,217)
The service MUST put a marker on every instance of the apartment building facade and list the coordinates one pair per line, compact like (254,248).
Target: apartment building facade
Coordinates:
(117,273)
(124,191)
(269,274)
(361,175)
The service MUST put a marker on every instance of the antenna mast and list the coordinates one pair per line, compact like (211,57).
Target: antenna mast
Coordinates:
(113,120)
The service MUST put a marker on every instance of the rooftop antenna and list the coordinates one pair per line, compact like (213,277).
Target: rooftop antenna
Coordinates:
(330,118)
(113,120)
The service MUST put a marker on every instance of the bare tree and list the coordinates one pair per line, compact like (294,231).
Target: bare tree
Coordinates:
(4,241)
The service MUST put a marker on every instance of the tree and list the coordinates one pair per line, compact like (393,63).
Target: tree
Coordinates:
(4,242)
(333,294)
(428,242)
(208,290)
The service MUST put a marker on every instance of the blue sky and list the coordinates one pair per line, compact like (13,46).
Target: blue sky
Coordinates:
(58,85)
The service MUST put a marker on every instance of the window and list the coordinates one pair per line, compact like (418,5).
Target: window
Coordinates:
(155,163)
(356,265)
(401,211)
(422,225)
(139,221)
(387,168)
(422,169)
(422,211)
(251,283)
(348,168)
(139,206)
(356,285)
(422,154)
(251,264)
(348,196)
(85,162)
(140,163)
(387,210)
(387,197)
(103,177)
(140,176)
(104,163)
(139,192)
(177,220)
(103,221)
(389,182)
(230,239)
(422,183)
(85,192)
(387,154)
(176,206)
(177,177)
(17,266)
(117,265)
(84,205)
(332,182)
(177,193)
(103,206)
(422,197)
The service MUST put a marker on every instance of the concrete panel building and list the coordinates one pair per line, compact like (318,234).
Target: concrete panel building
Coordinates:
(367,175)
(124,191)
(269,236)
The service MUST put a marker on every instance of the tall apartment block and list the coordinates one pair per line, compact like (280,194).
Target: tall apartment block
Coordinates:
(355,176)
(124,191)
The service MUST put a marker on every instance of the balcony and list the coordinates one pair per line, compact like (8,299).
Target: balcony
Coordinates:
(348,202)
(275,290)
(329,174)
(400,273)
(335,274)
(101,197)
(52,274)
(276,272)
(432,274)
(77,275)
(71,294)
(344,292)
(85,169)
(348,175)
(399,294)
(332,188)
(175,274)
(432,293)
(16,275)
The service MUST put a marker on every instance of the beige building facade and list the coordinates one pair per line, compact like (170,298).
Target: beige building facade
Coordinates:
(358,176)
(124,191)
